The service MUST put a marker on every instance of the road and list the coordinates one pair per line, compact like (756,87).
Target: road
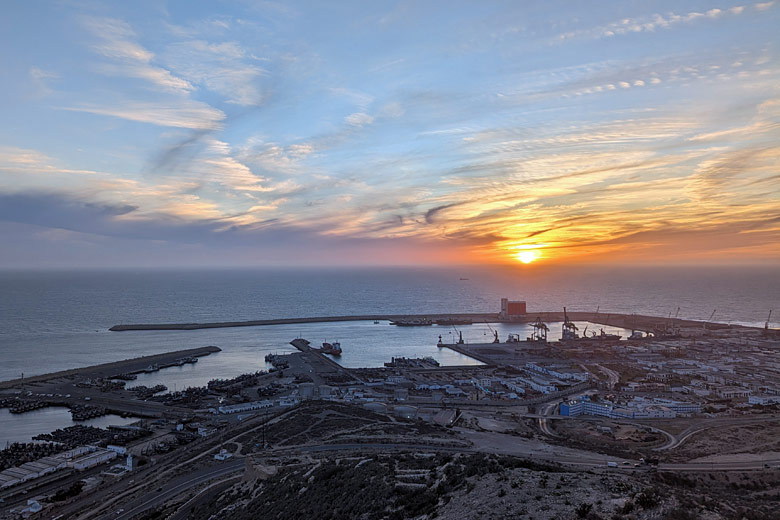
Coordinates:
(178,486)
(717,422)
(614,377)
(544,411)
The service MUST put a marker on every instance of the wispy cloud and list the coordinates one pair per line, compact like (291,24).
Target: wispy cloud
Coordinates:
(40,81)
(126,57)
(225,68)
(655,22)
(181,114)
(359,119)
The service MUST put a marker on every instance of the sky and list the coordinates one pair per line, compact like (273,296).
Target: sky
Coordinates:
(251,133)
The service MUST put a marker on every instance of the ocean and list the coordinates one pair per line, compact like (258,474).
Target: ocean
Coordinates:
(52,321)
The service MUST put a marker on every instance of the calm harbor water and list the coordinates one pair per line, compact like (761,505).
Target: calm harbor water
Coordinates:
(23,427)
(364,344)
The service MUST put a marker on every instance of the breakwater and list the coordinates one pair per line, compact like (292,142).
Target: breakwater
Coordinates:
(291,321)
(117,367)
(626,321)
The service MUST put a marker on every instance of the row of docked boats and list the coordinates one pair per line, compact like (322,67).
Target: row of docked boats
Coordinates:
(425,322)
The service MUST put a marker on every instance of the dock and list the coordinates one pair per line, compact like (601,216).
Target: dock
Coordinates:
(106,370)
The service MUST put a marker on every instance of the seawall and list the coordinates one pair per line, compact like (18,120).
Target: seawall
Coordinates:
(116,367)
(627,321)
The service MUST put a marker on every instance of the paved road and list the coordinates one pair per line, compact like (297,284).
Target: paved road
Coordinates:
(717,422)
(543,422)
(177,487)
(614,377)
(204,497)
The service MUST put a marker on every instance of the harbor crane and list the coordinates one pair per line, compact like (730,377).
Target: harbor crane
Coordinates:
(569,328)
(670,320)
(460,336)
(709,320)
(495,333)
(540,331)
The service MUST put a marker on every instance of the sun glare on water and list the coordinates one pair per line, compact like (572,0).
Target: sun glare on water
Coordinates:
(527,256)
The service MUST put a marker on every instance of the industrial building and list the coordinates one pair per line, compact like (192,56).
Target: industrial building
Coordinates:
(512,309)
(81,458)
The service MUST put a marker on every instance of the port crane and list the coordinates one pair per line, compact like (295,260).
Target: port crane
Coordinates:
(766,324)
(460,335)
(569,328)
(494,332)
(709,320)
(540,331)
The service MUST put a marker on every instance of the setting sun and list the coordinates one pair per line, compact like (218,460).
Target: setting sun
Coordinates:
(527,256)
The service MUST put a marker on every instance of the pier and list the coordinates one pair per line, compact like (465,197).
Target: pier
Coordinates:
(127,366)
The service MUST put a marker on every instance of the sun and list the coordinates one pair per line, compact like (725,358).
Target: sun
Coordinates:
(527,256)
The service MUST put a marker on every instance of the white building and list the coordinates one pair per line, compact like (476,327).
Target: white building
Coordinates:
(544,387)
(565,374)
(764,400)
(733,392)
(223,455)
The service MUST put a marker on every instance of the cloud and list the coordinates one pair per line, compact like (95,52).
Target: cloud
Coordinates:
(359,119)
(431,213)
(40,81)
(361,99)
(651,23)
(180,114)
(273,157)
(116,42)
(23,161)
(225,68)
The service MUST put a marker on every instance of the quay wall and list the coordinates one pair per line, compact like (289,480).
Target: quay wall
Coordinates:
(109,369)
